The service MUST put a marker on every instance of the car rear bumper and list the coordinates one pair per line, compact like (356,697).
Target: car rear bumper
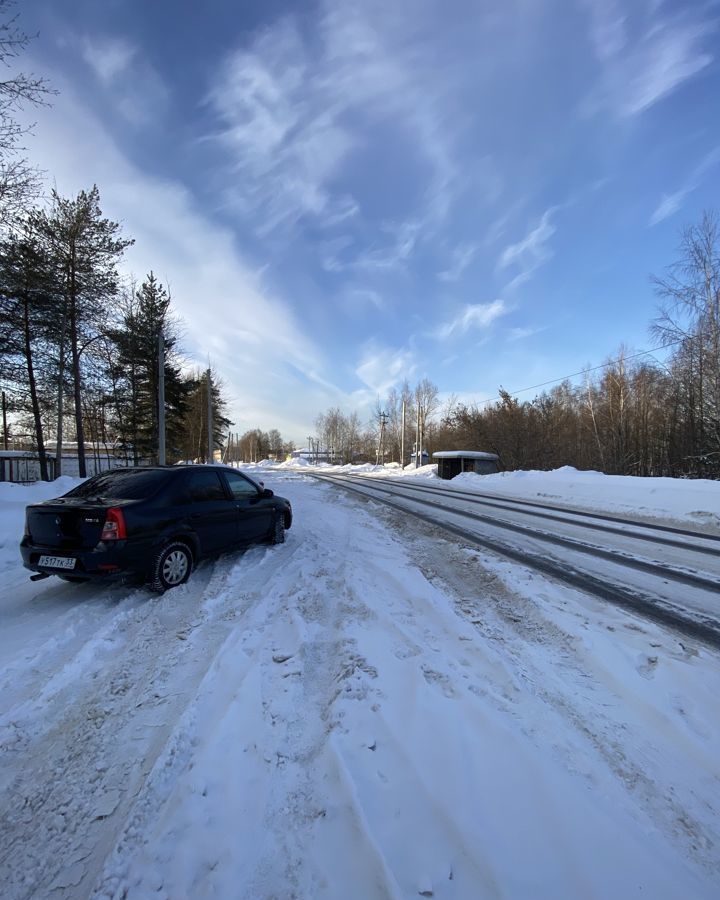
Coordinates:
(119,559)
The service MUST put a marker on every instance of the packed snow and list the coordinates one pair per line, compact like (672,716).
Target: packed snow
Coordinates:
(369,710)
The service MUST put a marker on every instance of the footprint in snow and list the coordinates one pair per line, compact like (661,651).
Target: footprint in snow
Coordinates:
(440,680)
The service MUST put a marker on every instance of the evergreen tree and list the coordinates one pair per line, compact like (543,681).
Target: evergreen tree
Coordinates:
(27,295)
(144,316)
(194,442)
(85,249)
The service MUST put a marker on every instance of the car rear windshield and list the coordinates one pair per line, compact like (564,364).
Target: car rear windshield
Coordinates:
(135,484)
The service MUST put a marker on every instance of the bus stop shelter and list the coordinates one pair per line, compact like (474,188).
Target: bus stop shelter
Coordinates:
(452,462)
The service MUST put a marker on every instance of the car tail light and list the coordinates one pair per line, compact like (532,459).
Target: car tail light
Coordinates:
(114,527)
(27,527)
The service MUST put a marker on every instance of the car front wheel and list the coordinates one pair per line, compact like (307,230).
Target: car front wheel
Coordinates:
(278,532)
(172,567)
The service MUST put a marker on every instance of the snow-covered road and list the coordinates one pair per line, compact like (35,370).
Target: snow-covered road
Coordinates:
(671,573)
(370,710)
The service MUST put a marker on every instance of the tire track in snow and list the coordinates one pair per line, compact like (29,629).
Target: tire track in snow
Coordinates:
(70,787)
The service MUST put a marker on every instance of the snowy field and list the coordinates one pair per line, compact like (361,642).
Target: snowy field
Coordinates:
(368,711)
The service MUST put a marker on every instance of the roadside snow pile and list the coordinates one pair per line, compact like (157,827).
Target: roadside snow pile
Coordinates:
(694,500)
(13,500)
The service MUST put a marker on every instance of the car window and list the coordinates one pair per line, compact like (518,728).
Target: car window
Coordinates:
(205,485)
(130,484)
(241,486)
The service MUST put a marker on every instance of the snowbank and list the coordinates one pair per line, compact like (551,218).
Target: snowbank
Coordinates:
(695,501)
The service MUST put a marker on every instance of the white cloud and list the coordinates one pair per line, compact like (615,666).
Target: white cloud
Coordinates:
(134,86)
(293,111)
(480,315)
(671,203)
(668,206)
(108,57)
(519,334)
(608,27)
(382,368)
(639,72)
(461,258)
(532,251)
(398,249)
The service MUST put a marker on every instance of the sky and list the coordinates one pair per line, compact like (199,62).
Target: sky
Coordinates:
(342,195)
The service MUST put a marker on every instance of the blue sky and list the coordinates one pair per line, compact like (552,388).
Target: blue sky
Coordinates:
(344,194)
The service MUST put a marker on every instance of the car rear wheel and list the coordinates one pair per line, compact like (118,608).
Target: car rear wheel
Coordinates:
(172,567)
(278,533)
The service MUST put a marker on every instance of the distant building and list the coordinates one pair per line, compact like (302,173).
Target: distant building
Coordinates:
(453,462)
(315,456)
(23,466)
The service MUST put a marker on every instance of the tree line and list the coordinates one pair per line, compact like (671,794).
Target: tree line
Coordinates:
(80,348)
(635,416)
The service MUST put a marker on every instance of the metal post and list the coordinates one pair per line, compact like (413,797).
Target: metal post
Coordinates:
(4,414)
(417,439)
(210,417)
(161,398)
(402,438)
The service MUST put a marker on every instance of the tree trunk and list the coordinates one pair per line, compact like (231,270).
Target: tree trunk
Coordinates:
(33,392)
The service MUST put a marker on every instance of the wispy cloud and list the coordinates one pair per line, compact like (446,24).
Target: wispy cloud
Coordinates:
(283,134)
(462,256)
(138,92)
(670,203)
(608,27)
(296,114)
(643,65)
(472,316)
(519,334)
(381,368)
(108,57)
(531,252)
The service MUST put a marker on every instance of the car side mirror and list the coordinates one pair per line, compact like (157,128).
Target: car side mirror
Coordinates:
(267,493)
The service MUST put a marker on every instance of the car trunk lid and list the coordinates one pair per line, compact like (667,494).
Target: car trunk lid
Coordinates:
(70,523)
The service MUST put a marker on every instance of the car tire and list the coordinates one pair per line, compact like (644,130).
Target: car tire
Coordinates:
(278,532)
(172,567)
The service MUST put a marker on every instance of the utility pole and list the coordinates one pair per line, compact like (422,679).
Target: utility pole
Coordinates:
(380,456)
(402,437)
(161,398)
(418,448)
(210,417)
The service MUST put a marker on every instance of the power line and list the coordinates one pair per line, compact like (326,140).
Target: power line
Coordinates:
(606,365)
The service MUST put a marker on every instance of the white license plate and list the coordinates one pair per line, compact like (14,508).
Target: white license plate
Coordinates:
(57,562)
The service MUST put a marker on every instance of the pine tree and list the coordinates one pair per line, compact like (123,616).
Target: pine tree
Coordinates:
(85,249)
(27,296)
(146,314)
